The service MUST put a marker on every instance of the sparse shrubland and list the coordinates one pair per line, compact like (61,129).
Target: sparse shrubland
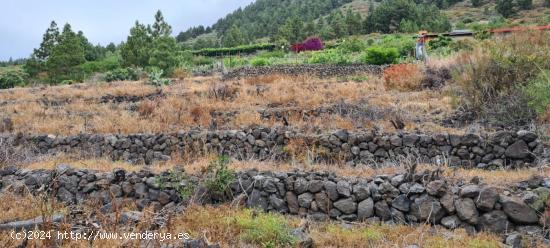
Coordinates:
(404,77)
(491,79)
(12,77)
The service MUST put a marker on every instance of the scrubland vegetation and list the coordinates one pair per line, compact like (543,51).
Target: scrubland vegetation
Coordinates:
(156,83)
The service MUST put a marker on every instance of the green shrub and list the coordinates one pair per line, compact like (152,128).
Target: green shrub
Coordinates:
(173,180)
(405,44)
(496,81)
(264,229)
(12,78)
(244,49)
(537,93)
(235,62)
(154,77)
(260,62)
(202,60)
(110,62)
(123,74)
(380,56)
(352,45)
(272,54)
(440,41)
(329,56)
(219,176)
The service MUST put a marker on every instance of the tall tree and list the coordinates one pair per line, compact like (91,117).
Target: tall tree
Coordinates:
(65,57)
(164,54)
(234,37)
(136,49)
(49,40)
(160,27)
(506,8)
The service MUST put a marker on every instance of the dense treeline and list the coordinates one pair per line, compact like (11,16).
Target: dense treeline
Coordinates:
(293,21)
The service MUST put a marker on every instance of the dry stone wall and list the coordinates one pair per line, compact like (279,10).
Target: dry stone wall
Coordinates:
(318,70)
(502,149)
(399,198)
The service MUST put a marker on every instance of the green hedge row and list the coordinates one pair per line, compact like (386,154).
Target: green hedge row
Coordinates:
(245,49)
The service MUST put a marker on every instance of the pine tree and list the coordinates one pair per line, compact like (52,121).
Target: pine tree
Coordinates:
(525,4)
(164,54)
(506,8)
(49,40)
(65,57)
(234,37)
(136,49)
(160,27)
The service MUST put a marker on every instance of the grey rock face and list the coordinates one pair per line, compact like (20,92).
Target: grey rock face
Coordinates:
(426,207)
(305,199)
(466,210)
(343,188)
(518,211)
(451,222)
(487,199)
(365,209)
(518,150)
(382,210)
(347,205)
(471,191)
(495,221)
(401,203)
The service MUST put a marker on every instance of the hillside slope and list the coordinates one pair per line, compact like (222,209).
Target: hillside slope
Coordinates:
(264,18)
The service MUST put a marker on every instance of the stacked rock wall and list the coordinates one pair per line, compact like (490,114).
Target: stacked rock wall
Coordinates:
(396,198)
(361,148)
(318,70)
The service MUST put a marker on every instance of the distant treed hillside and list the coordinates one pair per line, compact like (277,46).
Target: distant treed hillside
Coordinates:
(293,20)
(264,17)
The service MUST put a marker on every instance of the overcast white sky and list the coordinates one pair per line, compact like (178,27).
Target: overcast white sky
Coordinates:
(23,22)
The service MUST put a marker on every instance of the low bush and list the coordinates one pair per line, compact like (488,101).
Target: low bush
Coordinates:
(123,74)
(264,229)
(439,42)
(537,93)
(12,78)
(202,60)
(353,45)
(154,77)
(180,73)
(244,49)
(380,55)
(110,62)
(260,62)
(330,56)
(219,176)
(403,77)
(496,80)
(235,62)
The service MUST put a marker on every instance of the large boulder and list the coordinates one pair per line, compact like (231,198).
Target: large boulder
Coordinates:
(466,210)
(401,203)
(487,199)
(495,221)
(518,211)
(365,209)
(347,205)
(518,150)
(427,207)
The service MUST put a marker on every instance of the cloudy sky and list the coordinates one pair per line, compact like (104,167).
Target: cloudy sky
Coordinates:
(22,22)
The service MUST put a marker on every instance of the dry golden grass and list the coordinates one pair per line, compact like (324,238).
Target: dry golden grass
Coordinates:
(223,225)
(403,77)
(189,103)
(16,207)
(198,165)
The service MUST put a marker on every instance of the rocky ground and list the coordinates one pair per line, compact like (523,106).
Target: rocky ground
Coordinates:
(308,162)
